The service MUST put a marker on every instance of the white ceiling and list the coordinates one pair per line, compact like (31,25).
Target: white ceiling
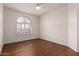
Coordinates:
(30,7)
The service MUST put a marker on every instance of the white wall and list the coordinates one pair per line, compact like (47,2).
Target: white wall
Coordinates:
(53,26)
(10,17)
(61,26)
(1,27)
(72,26)
(78,30)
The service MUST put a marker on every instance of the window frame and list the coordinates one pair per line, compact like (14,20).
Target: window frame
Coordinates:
(25,22)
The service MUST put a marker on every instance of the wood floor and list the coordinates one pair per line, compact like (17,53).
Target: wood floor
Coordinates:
(36,47)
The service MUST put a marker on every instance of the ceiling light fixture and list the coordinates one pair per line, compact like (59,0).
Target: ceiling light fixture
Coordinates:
(37,6)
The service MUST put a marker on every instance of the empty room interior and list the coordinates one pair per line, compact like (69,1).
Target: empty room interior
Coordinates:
(39,29)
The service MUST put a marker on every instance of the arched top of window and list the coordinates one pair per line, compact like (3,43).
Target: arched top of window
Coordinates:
(23,20)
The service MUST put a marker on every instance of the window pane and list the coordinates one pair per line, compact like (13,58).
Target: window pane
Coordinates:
(26,20)
(23,29)
(20,29)
(20,20)
(27,28)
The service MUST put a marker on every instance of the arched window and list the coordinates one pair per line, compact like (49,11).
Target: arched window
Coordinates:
(23,26)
